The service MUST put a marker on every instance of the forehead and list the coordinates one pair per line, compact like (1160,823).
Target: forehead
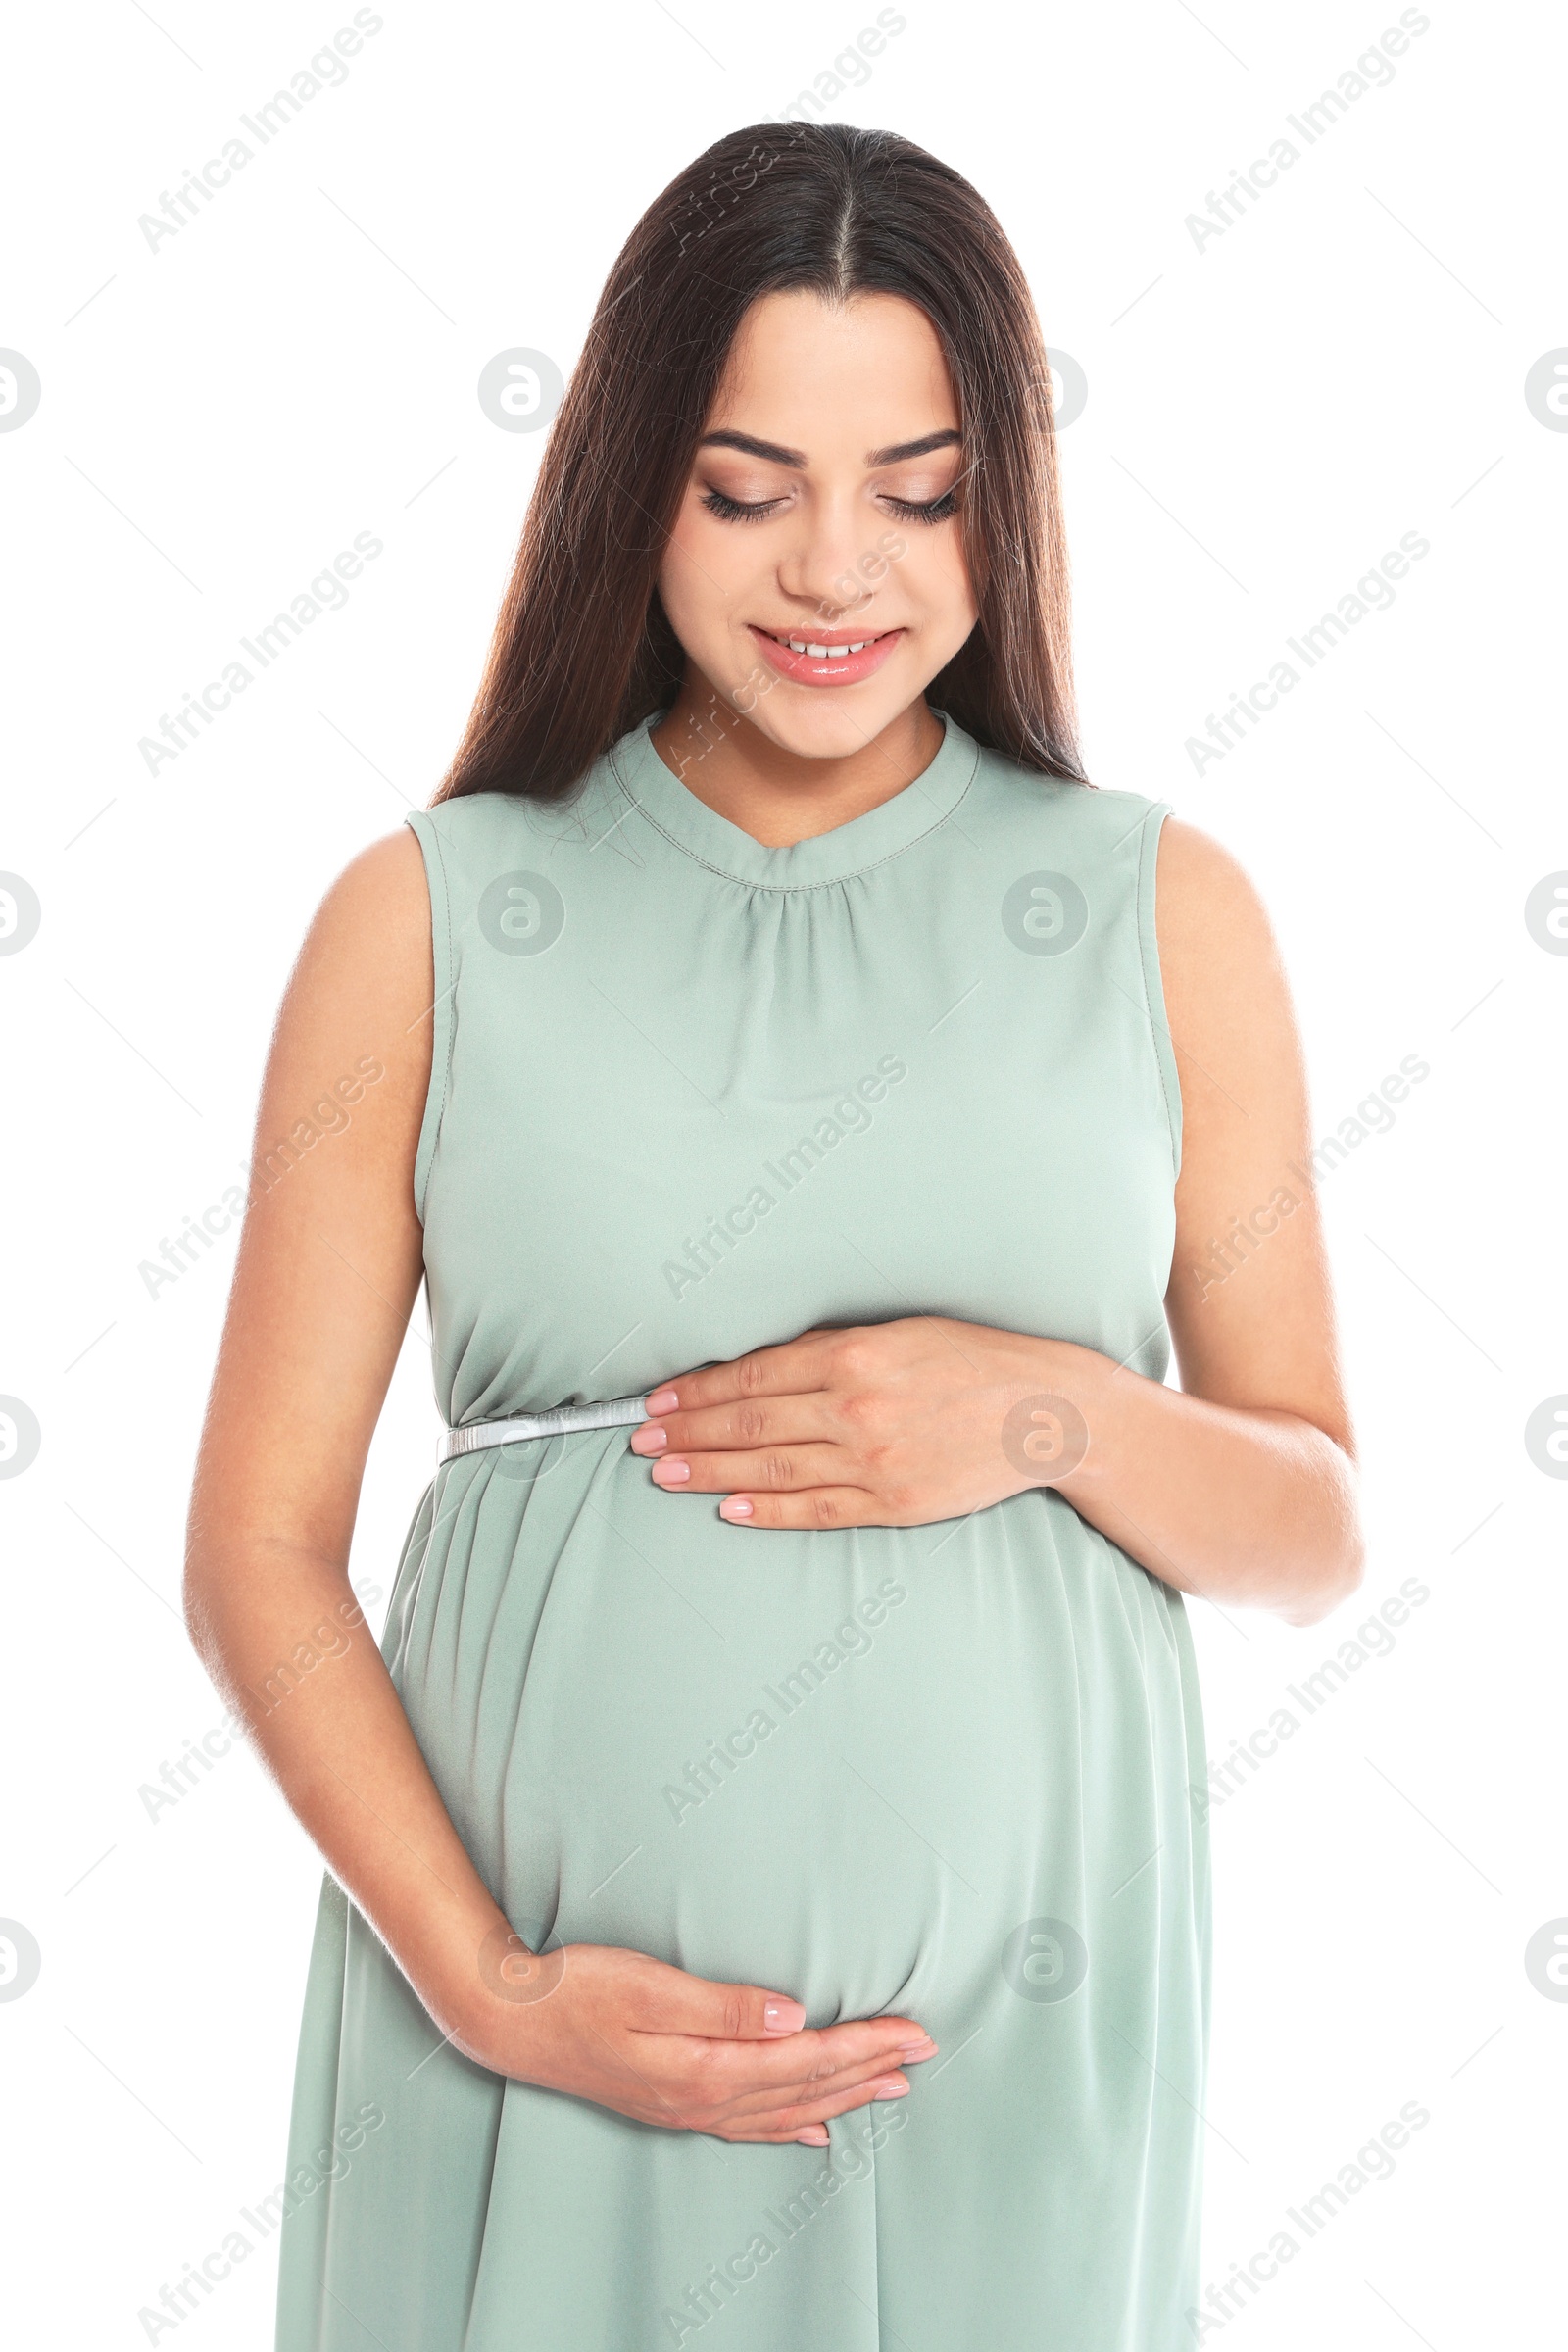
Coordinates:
(822,376)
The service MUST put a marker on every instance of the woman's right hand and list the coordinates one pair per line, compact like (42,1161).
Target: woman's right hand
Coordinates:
(632,2033)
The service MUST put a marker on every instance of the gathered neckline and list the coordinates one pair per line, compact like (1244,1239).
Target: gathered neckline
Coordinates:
(861,842)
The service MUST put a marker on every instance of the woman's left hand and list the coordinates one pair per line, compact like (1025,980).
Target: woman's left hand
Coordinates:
(882,1425)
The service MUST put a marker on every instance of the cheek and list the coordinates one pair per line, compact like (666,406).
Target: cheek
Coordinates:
(936,582)
(702,578)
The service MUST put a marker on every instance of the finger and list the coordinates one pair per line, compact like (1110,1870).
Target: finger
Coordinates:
(757,1421)
(779,1469)
(668,2000)
(786,1369)
(781,2110)
(794,2122)
(824,2084)
(717,2086)
(815,2061)
(843,2083)
(813,1506)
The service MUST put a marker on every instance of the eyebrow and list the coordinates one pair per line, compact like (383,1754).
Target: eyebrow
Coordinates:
(777,455)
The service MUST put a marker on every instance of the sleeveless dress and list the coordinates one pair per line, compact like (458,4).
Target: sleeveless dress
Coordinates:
(692,1095)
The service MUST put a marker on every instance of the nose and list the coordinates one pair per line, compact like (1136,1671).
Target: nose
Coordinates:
(828,565)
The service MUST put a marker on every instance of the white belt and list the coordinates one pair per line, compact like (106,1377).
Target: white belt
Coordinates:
(618,1412)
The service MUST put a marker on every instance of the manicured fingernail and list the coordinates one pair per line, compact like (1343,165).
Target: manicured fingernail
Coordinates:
(813,2137)
(735,1507)
(918,2049)
(662,1400)
(891,2089)
(673,1473)
(650,1440)
(782,2017)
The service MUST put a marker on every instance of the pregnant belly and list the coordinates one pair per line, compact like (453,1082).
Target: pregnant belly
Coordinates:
(877,1769)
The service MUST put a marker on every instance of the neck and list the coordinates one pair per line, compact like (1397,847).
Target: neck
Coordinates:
(777,796)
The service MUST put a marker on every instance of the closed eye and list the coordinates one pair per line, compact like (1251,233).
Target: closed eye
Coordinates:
(935,510)
(737,509)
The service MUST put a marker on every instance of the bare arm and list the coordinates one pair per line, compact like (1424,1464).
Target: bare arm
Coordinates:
(1240,1486)
(330,1263)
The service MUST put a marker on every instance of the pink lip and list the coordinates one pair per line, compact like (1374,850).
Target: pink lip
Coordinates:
(803,671)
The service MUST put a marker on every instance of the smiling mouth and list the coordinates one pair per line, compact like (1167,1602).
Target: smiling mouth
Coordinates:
(827,648)
(811,658)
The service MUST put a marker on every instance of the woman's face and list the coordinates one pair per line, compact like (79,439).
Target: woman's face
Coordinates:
(821,513)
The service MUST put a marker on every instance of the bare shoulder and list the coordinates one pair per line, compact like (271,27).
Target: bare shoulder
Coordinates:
(376,917)
(1224,980)
(1204,897)
(363,977)
(393,865)
(368,943)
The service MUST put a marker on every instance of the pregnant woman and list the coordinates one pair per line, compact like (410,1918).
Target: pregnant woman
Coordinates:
(768,1897)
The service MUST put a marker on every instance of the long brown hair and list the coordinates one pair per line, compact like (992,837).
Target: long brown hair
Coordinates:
(583,651)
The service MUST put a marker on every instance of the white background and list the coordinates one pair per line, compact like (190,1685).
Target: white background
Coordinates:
(1266,416)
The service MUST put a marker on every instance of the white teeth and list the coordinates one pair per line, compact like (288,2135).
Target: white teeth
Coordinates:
(824,653)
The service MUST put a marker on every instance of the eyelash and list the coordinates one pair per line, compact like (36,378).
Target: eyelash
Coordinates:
(735,510)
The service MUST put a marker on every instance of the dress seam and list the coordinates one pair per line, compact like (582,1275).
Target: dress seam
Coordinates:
(1149,961)
(443,1010)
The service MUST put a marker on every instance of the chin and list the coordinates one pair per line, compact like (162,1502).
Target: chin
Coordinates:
(829,734)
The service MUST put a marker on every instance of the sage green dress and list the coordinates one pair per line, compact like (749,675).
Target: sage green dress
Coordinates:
(691,1096)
